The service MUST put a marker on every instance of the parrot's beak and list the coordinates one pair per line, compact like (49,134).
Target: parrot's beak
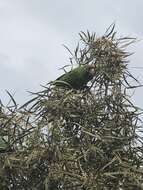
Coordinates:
(92,70)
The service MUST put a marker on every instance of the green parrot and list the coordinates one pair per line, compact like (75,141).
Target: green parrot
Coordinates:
(76,78)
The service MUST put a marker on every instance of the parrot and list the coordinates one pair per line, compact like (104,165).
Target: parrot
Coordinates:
(77,78)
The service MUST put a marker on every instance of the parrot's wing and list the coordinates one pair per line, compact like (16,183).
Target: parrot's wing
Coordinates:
(59,78)
(63,76)
(61,83)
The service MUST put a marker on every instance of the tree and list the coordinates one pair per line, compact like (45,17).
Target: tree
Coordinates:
(86,139)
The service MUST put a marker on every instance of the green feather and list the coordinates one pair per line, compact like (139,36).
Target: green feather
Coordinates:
(76,78)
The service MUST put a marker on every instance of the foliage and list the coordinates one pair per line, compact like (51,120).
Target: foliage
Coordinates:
(88,139)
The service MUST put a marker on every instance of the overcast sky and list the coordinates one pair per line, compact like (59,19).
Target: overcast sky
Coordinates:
(32,33)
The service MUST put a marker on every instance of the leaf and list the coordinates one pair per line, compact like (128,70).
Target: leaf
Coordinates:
(14,102)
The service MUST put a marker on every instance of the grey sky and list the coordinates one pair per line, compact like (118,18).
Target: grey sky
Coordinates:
(32,33)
